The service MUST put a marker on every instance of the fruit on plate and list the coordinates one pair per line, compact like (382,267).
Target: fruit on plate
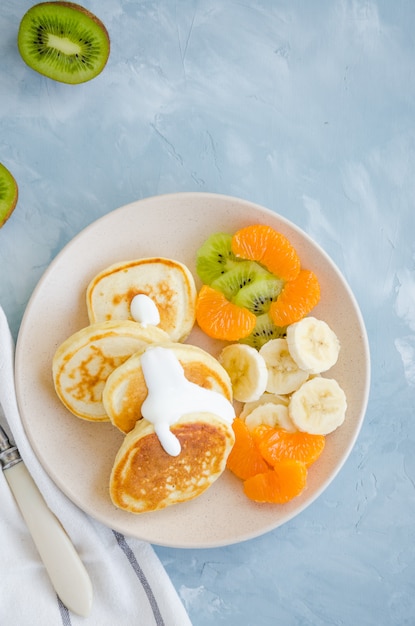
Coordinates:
(241,276)
(284,375)
(63,41)
(266,398)
(286,426)
(272,462)
(245,460)
(215,257)
(247,371)
(258,295)
(258,270)
(222,319)
(296,300)
(318,406)
(264,330)
(276,444)
(8,194)
(272,249)
(278,485)
(271,414)
(313,345)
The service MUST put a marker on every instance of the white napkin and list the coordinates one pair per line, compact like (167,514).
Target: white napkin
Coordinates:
(130,585)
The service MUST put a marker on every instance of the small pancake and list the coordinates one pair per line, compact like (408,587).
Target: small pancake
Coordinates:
(168,283)
(82,363)
(126,390)
(145,478)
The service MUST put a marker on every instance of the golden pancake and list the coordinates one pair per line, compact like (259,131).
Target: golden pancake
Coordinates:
(168,283)
(126,390)
(145,478)
(82,364)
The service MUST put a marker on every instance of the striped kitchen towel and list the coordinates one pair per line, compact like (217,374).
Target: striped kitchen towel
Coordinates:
(130,585)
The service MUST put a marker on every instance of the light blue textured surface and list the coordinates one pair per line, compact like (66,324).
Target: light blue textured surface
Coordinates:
(306,108)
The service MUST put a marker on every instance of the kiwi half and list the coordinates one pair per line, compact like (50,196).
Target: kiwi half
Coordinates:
(63,41)
(8,194)
(240,276)
(215,257)
(264,331)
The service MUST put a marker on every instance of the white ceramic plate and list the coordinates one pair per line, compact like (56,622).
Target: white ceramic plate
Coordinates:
(78,455)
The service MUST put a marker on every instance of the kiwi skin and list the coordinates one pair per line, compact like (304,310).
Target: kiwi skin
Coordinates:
(63,65)
(8,194)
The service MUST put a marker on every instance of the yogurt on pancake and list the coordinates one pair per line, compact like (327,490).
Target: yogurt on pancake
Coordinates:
(144,310)
(171,395)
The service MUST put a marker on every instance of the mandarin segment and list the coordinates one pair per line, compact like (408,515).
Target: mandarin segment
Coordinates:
(244,459)
(269,247)
(221,319)
(277,444)
(296,300)
(279,485)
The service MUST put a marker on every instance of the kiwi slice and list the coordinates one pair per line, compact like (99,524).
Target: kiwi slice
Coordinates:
(63,41)
(258,294)
(215,257)
(8,194)
(264,331)
(241,275)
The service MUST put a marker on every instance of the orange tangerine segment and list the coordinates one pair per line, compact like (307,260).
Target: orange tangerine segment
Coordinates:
(279,485)
(296,299)
(244,459)
(222,319)
(269,247)
(277,444)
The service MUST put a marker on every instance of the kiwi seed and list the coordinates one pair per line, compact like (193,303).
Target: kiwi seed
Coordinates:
(63,41)
(8,194)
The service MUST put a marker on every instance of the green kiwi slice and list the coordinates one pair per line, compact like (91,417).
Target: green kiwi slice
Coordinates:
(215,257)
(264,331)
(63,41)
(259,293)
(240,276)
(8,194)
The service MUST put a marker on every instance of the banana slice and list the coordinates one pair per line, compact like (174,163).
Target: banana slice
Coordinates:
(272,414)
(266,398)
(318,406)
(247,371)
(284,375)
(313,345)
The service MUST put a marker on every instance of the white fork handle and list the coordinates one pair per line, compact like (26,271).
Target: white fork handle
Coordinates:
(63,564)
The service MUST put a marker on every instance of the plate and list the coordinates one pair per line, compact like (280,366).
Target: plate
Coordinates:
(78,455)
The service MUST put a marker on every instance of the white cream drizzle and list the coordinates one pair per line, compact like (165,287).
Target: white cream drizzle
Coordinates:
(144,310)
(171,395)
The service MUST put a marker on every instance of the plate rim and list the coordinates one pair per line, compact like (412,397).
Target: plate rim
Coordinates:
(292,226)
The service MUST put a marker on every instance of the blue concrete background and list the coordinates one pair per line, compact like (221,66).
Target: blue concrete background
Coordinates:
(308,109)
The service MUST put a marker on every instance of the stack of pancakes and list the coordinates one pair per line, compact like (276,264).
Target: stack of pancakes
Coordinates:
(98,376)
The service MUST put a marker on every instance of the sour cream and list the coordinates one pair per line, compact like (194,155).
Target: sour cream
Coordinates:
(144,310)
(171,395)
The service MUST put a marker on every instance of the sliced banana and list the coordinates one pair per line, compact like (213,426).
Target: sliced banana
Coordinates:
(313,345)
(275,415)
(284,375)
(266,398)
(318,406)
(247,371)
